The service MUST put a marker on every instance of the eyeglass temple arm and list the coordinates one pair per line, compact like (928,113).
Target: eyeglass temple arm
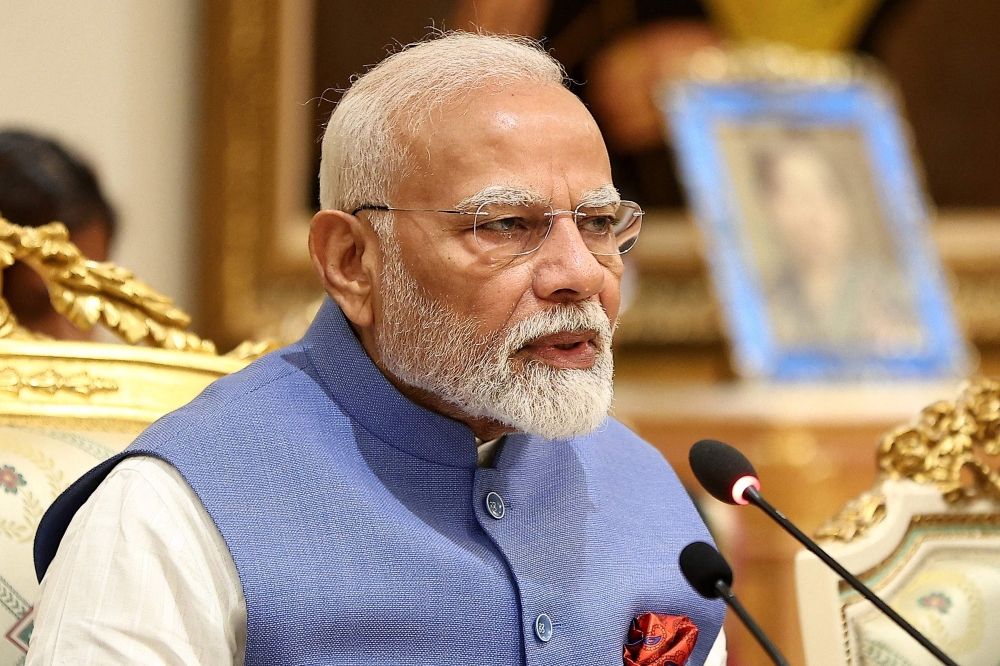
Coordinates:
(411,210)
(369,207)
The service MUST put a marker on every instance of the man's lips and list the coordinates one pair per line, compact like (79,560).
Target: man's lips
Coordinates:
(574,350)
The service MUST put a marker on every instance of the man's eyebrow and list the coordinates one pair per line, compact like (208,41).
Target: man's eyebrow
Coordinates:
(500,194)
(605,195)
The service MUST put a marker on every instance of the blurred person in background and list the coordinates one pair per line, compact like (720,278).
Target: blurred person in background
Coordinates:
(42,182)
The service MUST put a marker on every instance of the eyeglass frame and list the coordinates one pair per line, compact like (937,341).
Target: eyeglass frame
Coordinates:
(552,214)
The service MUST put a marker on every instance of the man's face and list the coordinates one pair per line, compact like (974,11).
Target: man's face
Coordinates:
(525,331)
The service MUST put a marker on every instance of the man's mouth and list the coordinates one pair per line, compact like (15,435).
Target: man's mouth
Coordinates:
(571,350)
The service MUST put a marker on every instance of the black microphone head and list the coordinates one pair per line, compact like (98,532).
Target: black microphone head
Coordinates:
(703,567)
(720,469)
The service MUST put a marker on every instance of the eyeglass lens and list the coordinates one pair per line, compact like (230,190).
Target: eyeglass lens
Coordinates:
(514,230)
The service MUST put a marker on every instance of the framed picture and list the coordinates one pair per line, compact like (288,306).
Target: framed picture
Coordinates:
(256,278)
(806,190)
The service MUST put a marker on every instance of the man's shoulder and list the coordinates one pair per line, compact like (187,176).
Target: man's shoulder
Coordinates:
(262,394)
(634,487)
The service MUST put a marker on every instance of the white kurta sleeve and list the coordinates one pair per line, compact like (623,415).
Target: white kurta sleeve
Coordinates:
(142,576)
(718,656)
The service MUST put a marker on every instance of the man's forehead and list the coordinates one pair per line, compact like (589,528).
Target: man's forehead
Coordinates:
(521,143)
(601,195)
(503,117)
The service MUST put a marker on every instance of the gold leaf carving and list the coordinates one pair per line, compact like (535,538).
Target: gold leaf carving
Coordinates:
(855,519)
(251,349)
(51,381)
(950,445)
(88,292)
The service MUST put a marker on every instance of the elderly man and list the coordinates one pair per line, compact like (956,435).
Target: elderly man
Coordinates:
(429,476)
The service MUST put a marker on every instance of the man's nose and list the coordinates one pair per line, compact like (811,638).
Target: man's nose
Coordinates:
(565,269)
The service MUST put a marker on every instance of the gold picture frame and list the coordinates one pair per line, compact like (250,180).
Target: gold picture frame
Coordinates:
(256,276)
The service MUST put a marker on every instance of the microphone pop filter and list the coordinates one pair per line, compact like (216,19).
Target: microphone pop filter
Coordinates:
(703,567)
(722,470)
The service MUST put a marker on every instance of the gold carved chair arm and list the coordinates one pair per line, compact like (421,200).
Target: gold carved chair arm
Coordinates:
(87,292)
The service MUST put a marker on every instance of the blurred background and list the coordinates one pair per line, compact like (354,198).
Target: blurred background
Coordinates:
(201,121)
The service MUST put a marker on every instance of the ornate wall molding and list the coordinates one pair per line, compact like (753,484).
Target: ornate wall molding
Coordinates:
(247,290)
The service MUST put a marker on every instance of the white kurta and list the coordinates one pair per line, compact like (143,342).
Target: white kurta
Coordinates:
(143,576)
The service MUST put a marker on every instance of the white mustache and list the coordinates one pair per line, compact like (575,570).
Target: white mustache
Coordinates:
(587,316)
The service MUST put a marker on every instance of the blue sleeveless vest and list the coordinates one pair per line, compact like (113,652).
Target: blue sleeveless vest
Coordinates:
(360,529)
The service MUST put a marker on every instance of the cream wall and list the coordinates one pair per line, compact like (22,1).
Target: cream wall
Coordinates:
(117,80)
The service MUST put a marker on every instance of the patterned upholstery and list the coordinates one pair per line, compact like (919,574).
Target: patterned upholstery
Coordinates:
(926,538)
(950,592)
(36,464)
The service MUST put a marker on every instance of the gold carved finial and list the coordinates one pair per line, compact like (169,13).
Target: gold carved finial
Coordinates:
(87,292)
(951,444)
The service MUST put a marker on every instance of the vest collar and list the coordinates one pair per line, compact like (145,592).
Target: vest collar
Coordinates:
(350,377)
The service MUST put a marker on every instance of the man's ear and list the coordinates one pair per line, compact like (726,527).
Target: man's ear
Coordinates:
(345,253)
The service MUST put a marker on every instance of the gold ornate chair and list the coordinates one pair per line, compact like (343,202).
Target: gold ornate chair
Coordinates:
(926,538)
(66,406)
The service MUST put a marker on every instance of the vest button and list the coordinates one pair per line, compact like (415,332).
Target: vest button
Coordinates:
(494,505)
(543,628)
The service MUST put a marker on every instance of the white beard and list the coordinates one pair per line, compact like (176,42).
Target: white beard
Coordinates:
(426,345)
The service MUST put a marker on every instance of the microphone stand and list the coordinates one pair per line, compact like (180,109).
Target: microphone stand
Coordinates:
(727,595)
(753,495)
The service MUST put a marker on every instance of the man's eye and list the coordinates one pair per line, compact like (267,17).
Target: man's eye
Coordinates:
(597,224)
(503,225)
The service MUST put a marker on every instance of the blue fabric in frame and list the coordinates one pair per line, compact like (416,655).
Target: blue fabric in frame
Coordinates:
(697,110)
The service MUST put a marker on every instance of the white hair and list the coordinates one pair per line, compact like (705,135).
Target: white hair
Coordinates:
(428,344)
(365,148)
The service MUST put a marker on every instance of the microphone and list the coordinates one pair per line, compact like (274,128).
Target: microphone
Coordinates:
(722,470)
(710,576)
(729,477)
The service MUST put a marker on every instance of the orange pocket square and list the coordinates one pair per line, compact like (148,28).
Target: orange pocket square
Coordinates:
(660,640)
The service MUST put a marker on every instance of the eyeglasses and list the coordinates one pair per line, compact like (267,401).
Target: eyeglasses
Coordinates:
(514,230)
